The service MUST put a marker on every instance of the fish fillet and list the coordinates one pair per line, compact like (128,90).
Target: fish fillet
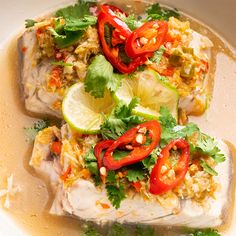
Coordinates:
(80,200)
(39,100)
(33,77)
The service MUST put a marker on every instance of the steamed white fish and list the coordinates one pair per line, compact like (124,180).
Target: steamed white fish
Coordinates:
(78,196)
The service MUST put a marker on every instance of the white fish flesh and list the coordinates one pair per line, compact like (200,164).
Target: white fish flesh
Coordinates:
(80,200)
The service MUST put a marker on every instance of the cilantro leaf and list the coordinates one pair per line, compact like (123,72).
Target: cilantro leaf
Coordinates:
(207,146)
(166,119)
(79,10)
(156,12)
(204,144)
(92,166)
(118,230)
(158,55)
(77,19)
(80,24)
(131,21)
(170,129)
(100,76)
(151,160)
(207,168)
(120,120)
(111,177)
(32,131)
(144,231)
(135,175)
(119,154)
(29,23)
(115,194)
(203,232)
(89,230)
(66,39)
(115,190)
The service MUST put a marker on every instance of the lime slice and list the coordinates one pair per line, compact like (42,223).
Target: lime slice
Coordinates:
(152,91)
(83,112)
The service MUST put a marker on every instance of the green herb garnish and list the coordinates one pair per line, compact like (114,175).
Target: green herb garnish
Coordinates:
(115,190)
(100,76)
(29,23)
(120,120)
(77,19)
(31,132)
(207,168)
(92,166)
(156,12)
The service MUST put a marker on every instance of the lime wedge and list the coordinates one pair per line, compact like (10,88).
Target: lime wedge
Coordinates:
(152,91)
(83,112)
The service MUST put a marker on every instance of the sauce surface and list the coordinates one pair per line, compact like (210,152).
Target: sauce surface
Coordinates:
(29,209)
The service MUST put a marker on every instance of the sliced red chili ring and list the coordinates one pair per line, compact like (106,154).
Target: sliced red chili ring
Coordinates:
(111,9)
(159,183)
(101,146)
(112,53)
(146,39)
(138,153)
(120,35)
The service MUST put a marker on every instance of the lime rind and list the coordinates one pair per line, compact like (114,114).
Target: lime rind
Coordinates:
(83,112)
(153,93)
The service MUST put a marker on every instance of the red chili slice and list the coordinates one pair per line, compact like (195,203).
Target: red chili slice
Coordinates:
(56,147)
(138,153)
(119,36)
(98,154)
(112,10)
(158,183)
(147,38)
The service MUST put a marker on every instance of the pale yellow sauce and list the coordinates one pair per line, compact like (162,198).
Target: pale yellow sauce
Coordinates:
(29,209)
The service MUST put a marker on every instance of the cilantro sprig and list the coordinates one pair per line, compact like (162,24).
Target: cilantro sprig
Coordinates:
(120,120)
(115,189)
(158,55)
(131,21)
(100,76)
(31,132)
(29,23)
(135,175)
(156,12)
(76,19)
(203,232)
(91,165)
(204,144)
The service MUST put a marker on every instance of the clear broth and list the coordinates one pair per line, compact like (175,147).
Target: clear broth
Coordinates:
(29,209)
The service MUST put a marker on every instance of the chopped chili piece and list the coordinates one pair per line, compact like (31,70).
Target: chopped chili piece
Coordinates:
(159,181)
(138,153)
(146,39)
(120,33)
(56,147)
(101,146)
(137,185)
(67,173)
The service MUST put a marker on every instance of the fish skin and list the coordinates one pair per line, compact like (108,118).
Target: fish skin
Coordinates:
(80,201)
(33,77)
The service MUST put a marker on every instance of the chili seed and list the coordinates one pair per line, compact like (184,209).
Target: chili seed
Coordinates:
(142,130)
(139,138)
(122,37)
(143,40)
(103,171)
(171,173)
(129,147)
(163,169)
